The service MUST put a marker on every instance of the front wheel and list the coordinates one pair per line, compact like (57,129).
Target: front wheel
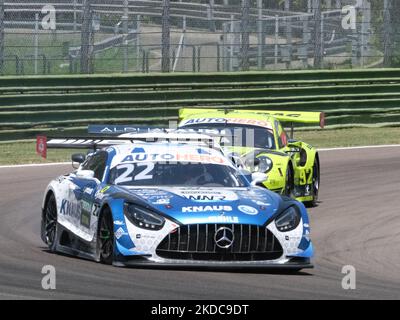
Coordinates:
(289,182)
(50,223)
(315,183)
(106,238)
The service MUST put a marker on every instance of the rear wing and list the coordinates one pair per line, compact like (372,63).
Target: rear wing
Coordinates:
(44,143)
(283,116)
(94,143)
(156,134)
(116,130)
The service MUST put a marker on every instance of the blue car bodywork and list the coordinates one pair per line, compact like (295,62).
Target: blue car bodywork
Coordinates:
(173,225)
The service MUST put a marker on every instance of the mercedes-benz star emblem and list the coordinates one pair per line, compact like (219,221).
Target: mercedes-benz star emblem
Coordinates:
(224,237)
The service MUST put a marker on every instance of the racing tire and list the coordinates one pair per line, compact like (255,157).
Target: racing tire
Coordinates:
(316,183)
(289,182)
(50,223)
(106,238)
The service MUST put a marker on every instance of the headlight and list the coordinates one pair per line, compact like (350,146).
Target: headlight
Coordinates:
(265,164)
(288,220)
(143,218)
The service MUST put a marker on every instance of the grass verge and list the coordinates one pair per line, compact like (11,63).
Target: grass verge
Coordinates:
(23,152)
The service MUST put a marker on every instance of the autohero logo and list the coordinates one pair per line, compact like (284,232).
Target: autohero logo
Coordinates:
(206,208)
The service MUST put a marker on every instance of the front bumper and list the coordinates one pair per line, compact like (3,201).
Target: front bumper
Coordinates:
(290,264)
(193,246)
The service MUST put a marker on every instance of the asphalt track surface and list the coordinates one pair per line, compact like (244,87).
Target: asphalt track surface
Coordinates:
(356,223)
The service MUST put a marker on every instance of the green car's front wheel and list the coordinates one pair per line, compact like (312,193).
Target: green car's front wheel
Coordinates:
(315,183)
(289,182)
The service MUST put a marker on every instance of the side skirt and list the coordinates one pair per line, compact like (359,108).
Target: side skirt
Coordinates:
(70,244)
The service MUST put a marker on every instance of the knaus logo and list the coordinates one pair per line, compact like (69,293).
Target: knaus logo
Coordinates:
(350,15)
(49,20)
(206,208)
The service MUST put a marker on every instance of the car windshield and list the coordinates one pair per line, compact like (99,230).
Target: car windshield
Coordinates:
(238,136)
(176,174)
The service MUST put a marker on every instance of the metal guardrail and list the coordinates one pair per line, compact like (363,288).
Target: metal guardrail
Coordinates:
(349,98)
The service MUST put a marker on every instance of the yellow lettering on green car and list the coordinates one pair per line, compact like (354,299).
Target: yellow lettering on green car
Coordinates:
(306,176)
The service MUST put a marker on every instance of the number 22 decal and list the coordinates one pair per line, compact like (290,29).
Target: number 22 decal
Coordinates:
(127,175)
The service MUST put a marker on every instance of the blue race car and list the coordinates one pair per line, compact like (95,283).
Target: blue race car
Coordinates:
(135,203)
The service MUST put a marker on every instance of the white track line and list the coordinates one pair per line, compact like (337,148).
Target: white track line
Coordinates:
(323,150)
(34,165)
(362,147)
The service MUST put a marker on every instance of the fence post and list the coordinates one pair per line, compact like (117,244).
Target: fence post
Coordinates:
(92,53)
(224,39)
(318,38)
(2,37)
(261,38)
(125,18)
(289,40)
(276,49)
(194,59)
(306,41)
(36,44)
(144,61)
(165,40)
(210,15)
(388,29)
(245,43)
(365,30)
(231,42)
(138,26)
(85,36)
(198,58)
(75,15)
(218,57)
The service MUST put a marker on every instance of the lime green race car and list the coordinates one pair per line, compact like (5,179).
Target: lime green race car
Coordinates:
(257,141)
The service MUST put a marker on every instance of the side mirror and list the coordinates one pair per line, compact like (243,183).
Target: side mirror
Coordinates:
(78,157)
(85,174)
(258,177)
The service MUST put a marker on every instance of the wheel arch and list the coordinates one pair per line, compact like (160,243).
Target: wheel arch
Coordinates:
(48,194)
(105,209)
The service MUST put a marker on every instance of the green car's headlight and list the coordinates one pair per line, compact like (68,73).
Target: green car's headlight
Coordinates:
(264,165)
(143,218)
(288,220)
